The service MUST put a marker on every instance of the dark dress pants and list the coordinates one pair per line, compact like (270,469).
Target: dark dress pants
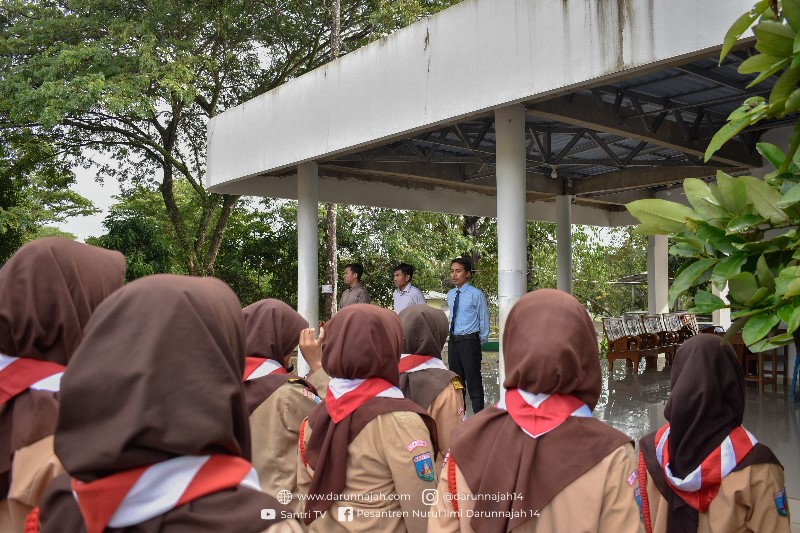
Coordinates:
(464,358)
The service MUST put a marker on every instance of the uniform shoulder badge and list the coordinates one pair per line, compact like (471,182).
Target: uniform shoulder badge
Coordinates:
(311,396)
(780,502)
(457,385)
(424,466)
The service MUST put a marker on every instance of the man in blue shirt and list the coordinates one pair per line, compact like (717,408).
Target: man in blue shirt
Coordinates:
(469,327)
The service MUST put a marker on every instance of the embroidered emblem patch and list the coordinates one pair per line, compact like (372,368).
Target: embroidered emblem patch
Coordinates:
(457,385)
(417,444)
(424,466)
(313,397)
(632,478)
(638,496)
(446,458)
(460,411)
(780,502)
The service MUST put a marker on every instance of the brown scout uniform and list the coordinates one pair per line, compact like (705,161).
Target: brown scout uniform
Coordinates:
(49,285)
(425,331)
(366,454)
(447,410)
(380,465)
(178,393)
(581,506)
(354,295)
(745,502)
(275,426)
(277,403)
(538,461)
(705,408)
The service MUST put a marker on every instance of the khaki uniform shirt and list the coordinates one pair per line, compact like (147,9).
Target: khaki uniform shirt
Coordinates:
(32,469)
(319,379)
(745,502)
(382,488)
(447,410)
(600,501)
(354,295)
(275,430)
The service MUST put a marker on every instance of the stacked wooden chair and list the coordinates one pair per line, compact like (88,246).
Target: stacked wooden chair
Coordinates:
(639,335)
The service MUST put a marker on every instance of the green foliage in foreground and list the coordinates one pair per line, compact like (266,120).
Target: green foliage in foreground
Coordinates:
(743,231)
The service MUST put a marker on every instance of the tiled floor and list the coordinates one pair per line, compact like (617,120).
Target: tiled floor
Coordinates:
(634,404)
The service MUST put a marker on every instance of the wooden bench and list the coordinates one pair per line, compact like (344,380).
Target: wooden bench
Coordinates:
(620,344)
(649,343)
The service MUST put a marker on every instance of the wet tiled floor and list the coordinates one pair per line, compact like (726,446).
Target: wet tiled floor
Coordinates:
(634,404)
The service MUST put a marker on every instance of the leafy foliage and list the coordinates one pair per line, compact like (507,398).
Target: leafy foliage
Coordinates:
(137,81)
(742,231)
(35,190)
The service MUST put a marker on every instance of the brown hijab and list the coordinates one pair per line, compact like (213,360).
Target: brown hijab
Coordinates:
(425,331)
(705,404)
(273,331)
(48,290)
(549,346)
(361,341)
(158,376)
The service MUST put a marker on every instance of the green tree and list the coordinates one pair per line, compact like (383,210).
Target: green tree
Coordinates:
(138,82)
(35,191)
(742,231)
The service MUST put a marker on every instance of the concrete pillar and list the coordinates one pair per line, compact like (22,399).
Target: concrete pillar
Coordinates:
(307,243)
(511,236)
(564,242)
(657,274)
(721,317)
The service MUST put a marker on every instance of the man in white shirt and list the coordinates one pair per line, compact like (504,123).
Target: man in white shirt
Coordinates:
(405,293)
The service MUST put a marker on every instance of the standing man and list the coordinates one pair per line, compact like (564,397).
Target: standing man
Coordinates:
(469,328)
(355,293)
(405,293)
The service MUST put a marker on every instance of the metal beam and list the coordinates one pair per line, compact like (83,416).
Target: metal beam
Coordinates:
(584,111)
(638,178)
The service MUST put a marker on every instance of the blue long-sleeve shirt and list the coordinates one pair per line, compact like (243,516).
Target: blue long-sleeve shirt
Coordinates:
(473,311)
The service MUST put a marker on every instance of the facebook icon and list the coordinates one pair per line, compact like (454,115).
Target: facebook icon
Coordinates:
(345,514)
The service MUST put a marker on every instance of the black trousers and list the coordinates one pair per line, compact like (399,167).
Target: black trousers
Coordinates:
(464,358)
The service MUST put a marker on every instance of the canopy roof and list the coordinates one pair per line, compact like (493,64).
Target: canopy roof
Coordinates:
(622,98)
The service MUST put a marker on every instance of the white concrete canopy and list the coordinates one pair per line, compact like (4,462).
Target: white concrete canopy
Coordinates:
(617,100)
(469,59)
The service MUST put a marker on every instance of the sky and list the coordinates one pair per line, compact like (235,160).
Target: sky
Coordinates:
(100,195)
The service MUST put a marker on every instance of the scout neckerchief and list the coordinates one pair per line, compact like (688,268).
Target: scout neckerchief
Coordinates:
(18,374)
(700,486)
(133,496)
(256,367)
(346,395)
(415,363)
(538,414)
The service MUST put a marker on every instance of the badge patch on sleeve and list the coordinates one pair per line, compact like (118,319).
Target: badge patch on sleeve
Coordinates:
(632,478)
(457,385)
(637,495)
(424,466)
(780,502)
(310,395)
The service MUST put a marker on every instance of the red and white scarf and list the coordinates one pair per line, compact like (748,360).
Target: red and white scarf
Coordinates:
(346,395)
(701,485)
(18,374)
(538,414)
(415,363)
(134,496)
(256,367)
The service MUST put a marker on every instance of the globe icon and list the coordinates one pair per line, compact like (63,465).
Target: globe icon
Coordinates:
(284,496)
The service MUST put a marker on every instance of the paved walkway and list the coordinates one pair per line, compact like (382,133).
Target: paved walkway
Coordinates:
(634,404)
